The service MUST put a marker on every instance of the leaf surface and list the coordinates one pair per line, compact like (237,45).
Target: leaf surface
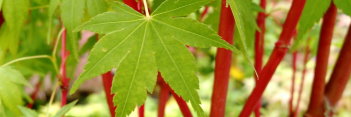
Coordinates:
(344,5)
(139,46)
(311,14)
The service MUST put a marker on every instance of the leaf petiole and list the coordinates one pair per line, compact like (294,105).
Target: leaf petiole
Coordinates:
(26,58)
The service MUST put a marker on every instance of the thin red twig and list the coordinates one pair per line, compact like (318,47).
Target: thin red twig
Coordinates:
(292,88)
(63,75)
(276,57)
(34,94)
(304,70)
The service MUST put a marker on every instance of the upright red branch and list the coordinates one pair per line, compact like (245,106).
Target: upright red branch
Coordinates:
(259,45)
(340,76)
(321,68)
(223,62)
(280,50)
(63,75)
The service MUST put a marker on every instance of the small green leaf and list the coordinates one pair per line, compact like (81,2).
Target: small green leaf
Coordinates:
(65,109)
(311,14)
(139,46)
(28,112)
(344,5)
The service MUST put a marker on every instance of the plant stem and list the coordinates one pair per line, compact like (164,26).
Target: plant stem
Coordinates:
(34,94)
(204,13)
(340,75)
(181,103)
(26,58)
(163,97)
(107,82)
(259,46)
(276,57)
(292,88)
(223,63)
(304,70)
(321,68)
(63,76)
(146,9)
(52,98)
(141,110)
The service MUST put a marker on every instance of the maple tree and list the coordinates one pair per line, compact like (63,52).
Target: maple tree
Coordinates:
(145,47)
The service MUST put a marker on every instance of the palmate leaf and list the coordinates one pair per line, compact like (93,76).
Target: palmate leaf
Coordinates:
(140,46)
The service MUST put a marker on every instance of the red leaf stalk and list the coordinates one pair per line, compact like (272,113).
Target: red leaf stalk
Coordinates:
(141,110)
(340,75)
(304,70)
(107,82)
(259,46)
(223,62)
(280,50)
(34,94)
(204,13)
(63,75)
(292,89)
(165,96)
(317,94)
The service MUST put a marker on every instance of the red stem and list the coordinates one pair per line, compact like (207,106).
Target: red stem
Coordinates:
(292,89)
(276,57)
(259,46)
(163,97)
(340,75)
(326,35)
(64,79)
(297,108)
(107,82)
(181,103)
(141,110)
(34,94)
(204,13)
(223,62)
(2,20)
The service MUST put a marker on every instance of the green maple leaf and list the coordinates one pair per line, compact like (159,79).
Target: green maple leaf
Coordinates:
(140,46)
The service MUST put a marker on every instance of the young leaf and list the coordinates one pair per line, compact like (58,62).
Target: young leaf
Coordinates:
(311,14)
(65,109)
(344,5)
(52,8)
(140,46)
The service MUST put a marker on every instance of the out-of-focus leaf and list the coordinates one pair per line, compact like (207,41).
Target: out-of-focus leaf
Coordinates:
(65,109)
(28,112)
(15,13)
(72,13)
(311,14)
(344,5)
(52,8)
(10,99)
(88,45)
